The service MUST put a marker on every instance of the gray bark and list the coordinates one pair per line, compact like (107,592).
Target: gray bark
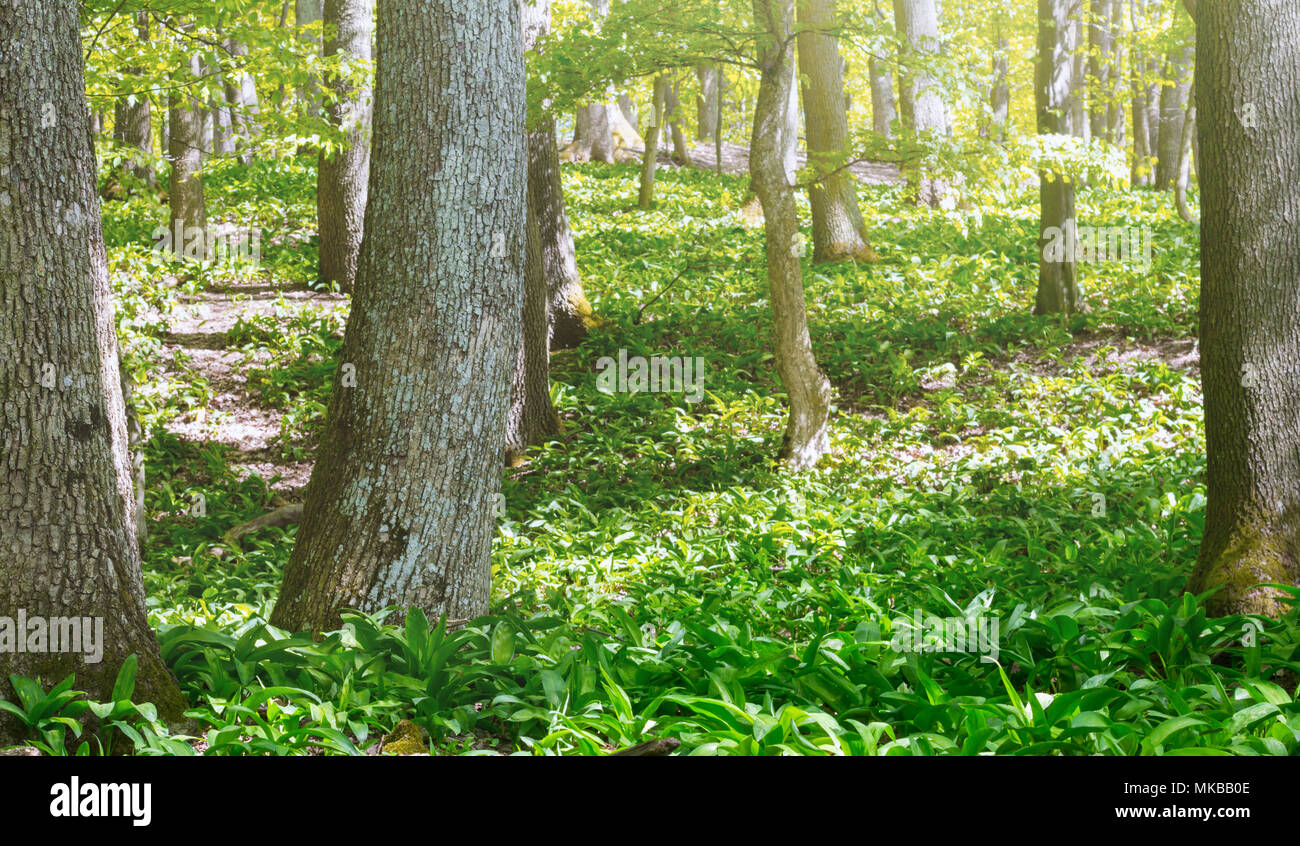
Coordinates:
(241,96)
(706,103)
(67,539)
(882,98)
(400,508)
(569,312)
(920,103)
(342,176)
(185,151)
(1248,100)
(654,131)
(807,437)
(306,13)
(1173,111)
(1058,282)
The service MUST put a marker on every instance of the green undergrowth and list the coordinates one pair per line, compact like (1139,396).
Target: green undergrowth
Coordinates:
(658,575)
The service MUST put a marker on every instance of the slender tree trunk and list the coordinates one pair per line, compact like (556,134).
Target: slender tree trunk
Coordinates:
(807,437)
(1250,301)
(1000,96)
(650,159)
(185,150)
(342,176)
(1173,111)
(882,98)
(922,108)
(571,316)
(223,142)
(681,152)
(839,232)
(306,13)
(1080,127)
(1185,162)
(1115,100)
(133,118)
(1100,67)
(241,95)
(1058,283)
(399,510)
(717,120)
(706,102)
(67,542)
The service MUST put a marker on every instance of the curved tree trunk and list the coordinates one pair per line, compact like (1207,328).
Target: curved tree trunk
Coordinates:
(1248,103)
(1058,279)
(570,314)
(400,508)
(839,232)
(681,152)
(342,176)
(650,158)
(807,436)
(67,541)
(189,215)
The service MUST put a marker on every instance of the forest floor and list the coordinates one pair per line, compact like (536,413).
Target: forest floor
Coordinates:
(657,573)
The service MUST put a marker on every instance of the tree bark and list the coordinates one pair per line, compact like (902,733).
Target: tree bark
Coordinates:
(650,158)
(1173,111)
(839,232)
(923,112)
(681,153)
(593,136)
(67,542)
(1100,67)
(306,13)
(570,315)
(1000,95)
(185,150)
(1248,100)
(1058,282)
(706,103)
(133,119)
(342,175)
(882,98)
(241,95)
(400,507)
(807,437)
(1185,162)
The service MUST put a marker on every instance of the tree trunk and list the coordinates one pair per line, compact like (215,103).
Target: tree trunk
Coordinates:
(1248,100)
(1185,162)
(67,541)
(681,152)
(650,159)
(185,150)
(706,103)
(570,314)
(241,95)
(400,508)
(839,232)
(133,117)
(1173,111)
(223,142)
(306,13)
(593,137)
(882,98)
(1100,67)
(1079,124)
(917,22)
(342,175)
(1000,96)
(806,438)
(1115,100)
(1058,283)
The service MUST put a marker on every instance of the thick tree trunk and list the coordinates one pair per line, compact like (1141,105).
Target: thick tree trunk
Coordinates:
(185,150)
(400,508)
(654,131)
(1248,100)
(593,136)
(807,437)
(882,98)
(67,542)
(342,176)
(570,314)
(839,232)
(1173,111)
(1058,283)
(921,106)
